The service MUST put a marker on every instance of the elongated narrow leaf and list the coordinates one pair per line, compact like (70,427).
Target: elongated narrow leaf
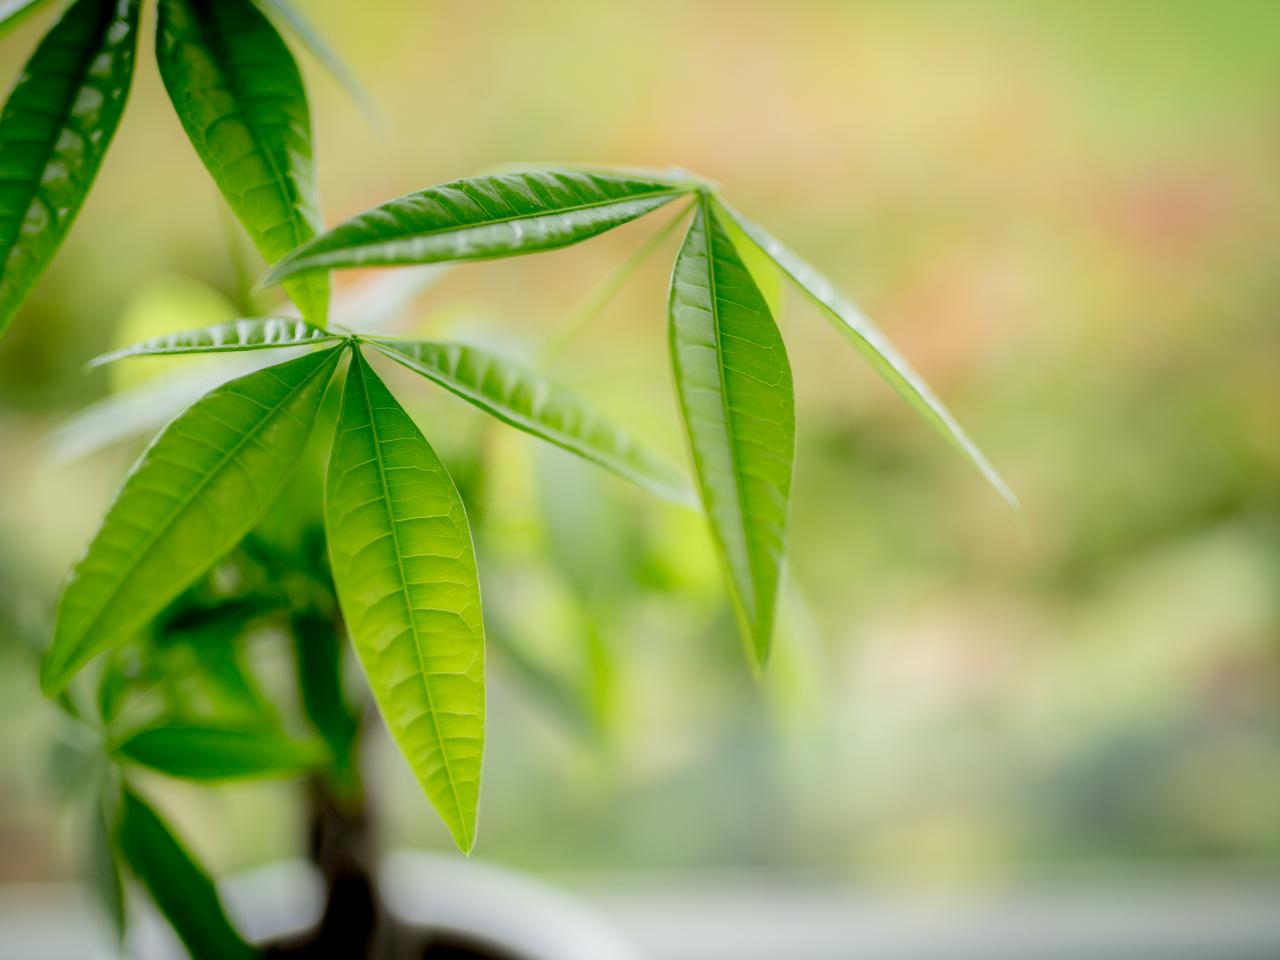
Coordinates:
(103,870)
(12,11)
(263,333)
(240,97)
(874,346)
(405,570)
(734,383)
(522,397)
(219,753)
(177,883)
(54,132)
(199,488)
(482,218)
(317,651)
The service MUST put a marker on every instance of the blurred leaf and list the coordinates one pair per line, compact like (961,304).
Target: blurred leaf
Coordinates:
(522,397)
(54,131)
(480,219)
(177,883)
(104,871)
(240,97)
(734,383)
(195,492)
(874,346)
(13,11)
(220,752)
(318,652)
(405,570)
(250,334)
(312,39)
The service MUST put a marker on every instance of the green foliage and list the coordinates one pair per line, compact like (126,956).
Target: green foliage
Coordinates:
(54,132)
(192,496)
(522,397)
(406,575)
(240,98)
(12,11)
(734,382)
(213,753)
(258,333)
(483,218)
(177,883)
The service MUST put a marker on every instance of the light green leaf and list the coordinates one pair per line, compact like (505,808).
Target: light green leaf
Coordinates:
(522,397)
(311,38)
(54,132)
(874,346)
(196,491)
(220,753)
(482,218)
(249,334)
(177,883)
(734,384)
(240,97)
(12,11)
(405,571)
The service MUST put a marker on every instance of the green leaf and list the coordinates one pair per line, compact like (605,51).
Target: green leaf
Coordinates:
(12,11)
(734,384)
(103,870)
(265,333)
(405,571)
(522,397)
(240,97)
(219,752)
(199,488)
(482,218)
(177,883)
(54,131)
(874,346)
(318,656)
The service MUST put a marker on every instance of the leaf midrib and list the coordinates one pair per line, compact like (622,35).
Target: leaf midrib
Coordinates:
(361,366)
(496,221)
(154,535)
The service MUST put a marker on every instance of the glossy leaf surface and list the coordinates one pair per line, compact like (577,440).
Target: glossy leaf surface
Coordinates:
(240,97)
(196,491)
(54,131)
(734,383)
(251,334)
(874,346)
(219,752)
(177,883)
(522,397)
(482,218)
(405,571)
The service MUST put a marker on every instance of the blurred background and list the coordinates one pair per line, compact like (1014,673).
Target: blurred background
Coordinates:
(1065,214)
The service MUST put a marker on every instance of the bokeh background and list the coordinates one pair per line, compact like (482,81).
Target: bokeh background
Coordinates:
(1066,214)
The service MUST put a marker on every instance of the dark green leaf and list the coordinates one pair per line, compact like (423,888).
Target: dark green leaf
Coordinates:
(318,653)
(177,883)
(522,397)
(405,570)
(54,131)
(240,97)
(874,346)
(734,383)
(196,491)
(482,218)
(219,753)
(263,333)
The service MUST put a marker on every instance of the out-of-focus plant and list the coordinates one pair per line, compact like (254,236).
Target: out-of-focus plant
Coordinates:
(214,532)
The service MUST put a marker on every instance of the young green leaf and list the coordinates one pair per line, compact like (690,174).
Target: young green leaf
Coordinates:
(12,11)
(482,218)
(522,397)
(219,752)
(177,883)
(258,333)
(240,97)
(734,384)
(405,571)
(54,132)
(874,346)
(199,488)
